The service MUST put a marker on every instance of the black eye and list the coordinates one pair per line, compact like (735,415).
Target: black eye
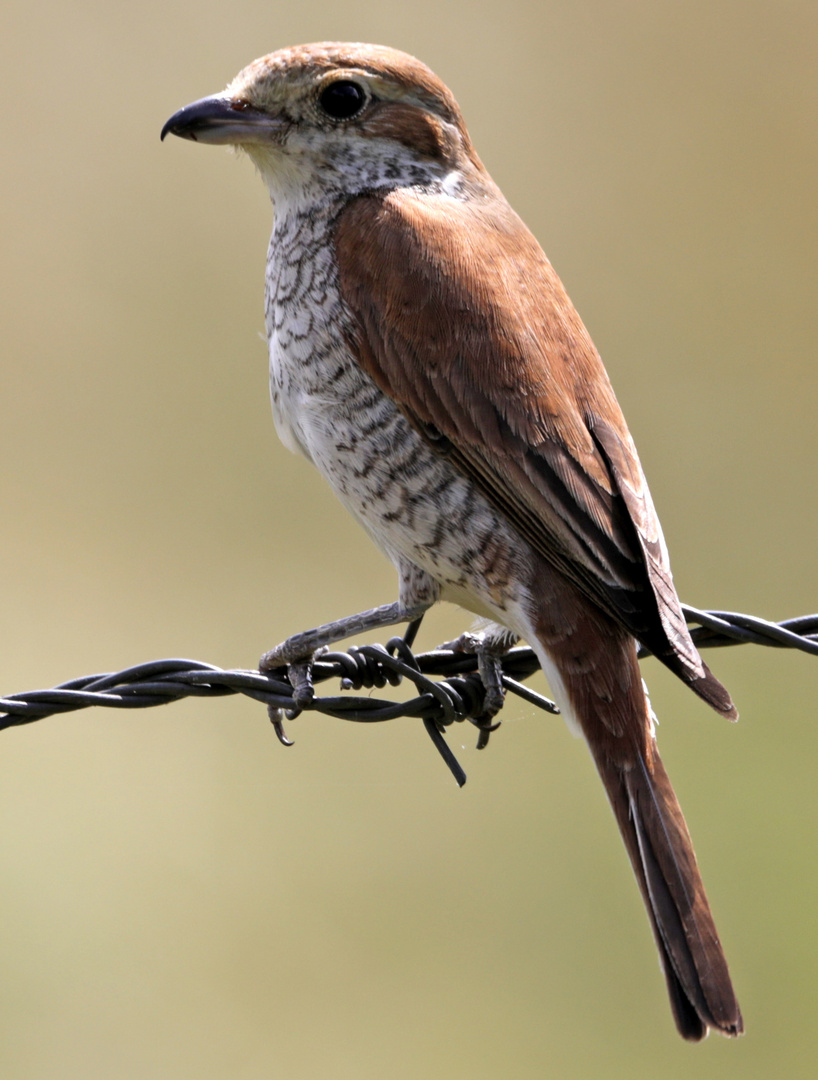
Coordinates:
(342,99)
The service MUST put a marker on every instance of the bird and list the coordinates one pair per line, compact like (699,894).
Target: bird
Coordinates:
(426,358)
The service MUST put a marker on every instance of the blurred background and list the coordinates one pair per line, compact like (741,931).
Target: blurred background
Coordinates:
(180,897)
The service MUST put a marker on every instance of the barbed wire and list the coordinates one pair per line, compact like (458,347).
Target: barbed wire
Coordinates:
(449,689)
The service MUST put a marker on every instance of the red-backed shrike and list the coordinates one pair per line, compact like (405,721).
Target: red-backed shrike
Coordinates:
(426,358)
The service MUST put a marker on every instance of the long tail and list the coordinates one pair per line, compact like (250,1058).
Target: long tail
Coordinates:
(662,856)
(592,668)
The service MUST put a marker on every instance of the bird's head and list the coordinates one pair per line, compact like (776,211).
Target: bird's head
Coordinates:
(349,117)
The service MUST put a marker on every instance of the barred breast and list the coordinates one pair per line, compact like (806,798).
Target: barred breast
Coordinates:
(412,502)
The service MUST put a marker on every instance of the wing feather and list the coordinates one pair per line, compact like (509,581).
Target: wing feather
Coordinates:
(462,321)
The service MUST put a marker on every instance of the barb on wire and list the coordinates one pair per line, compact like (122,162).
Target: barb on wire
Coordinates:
(448,686)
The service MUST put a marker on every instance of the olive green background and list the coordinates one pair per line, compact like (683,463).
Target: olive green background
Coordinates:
(179,896)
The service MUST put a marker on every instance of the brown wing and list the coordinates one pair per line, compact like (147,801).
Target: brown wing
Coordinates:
(462,321)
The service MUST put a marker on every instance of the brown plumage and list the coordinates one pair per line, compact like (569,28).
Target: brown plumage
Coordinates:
(425,356)
(463,322)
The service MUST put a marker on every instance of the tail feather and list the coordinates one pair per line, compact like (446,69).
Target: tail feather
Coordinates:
(661,852)
(591,665)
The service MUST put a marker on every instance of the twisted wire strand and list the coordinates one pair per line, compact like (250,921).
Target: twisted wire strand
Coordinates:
(448,686)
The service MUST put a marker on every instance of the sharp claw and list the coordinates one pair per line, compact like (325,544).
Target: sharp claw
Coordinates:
(277,720)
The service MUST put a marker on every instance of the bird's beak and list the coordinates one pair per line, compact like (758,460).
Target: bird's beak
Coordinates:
(222,119)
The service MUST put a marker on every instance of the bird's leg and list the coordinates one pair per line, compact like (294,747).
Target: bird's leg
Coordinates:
(418,592)
(302,646)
